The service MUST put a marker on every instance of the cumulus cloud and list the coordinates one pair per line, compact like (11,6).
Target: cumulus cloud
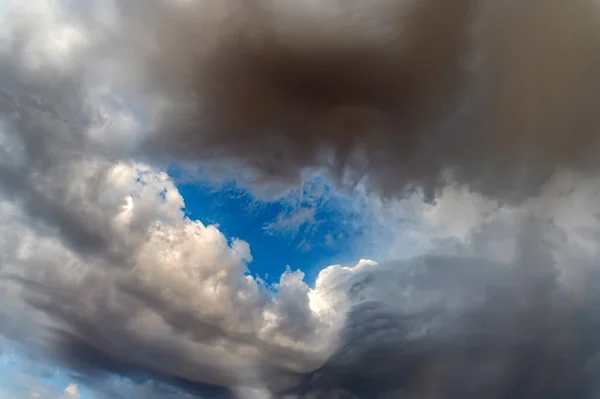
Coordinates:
(172,290)
(485,107)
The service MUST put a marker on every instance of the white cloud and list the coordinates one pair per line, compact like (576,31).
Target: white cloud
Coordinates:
(72,391)
(180,285)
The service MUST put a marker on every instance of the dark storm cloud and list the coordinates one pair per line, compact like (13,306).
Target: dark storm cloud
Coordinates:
(410,94)
(526,339)
(279,97)
(407,94)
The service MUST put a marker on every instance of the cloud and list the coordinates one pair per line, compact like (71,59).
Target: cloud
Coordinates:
(101,265)
(104,275)
(172,290)
(322,94)
(501,311)
(291,223)
(497,96)
(460,328)
(72,391)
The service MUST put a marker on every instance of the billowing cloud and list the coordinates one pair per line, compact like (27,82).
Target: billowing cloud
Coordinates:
(172,290)
(486,107)
(465,328)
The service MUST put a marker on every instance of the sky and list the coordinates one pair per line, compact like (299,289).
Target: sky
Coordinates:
(308,228)
(299,199)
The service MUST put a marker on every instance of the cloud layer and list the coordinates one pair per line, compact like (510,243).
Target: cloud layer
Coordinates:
(405,95)
(486,107)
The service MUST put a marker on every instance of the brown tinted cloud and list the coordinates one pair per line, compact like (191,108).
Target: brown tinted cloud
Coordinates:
(409,94)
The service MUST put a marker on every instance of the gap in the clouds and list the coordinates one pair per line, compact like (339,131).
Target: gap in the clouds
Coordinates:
(308,228)
(24,375)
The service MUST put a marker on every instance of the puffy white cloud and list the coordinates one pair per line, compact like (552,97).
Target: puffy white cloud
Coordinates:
(165,284)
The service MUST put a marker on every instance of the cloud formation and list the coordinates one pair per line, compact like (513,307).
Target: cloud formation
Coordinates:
(465,328)
(405,95)
(486,107)
(402,95)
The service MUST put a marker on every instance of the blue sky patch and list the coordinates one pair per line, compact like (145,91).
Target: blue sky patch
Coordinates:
(308,228)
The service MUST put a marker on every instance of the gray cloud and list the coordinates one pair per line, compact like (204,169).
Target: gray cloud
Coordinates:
(486,330)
